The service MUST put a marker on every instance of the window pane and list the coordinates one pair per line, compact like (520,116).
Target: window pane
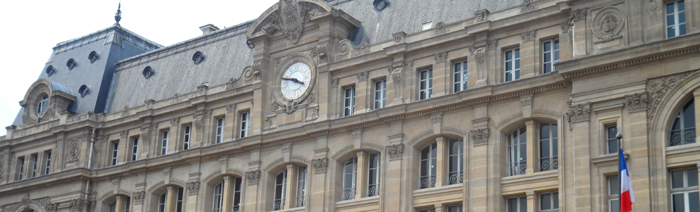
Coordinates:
(517,65)
(544,148)
(547,68)
(681,29)
(523,204)
(681,6)
(669,8)
(547,46)
(694,201)
(692,177)
(681,18)
(677,179)
(689,115)
(678,202)
(614,188)
(612,146)
(555,204)
(555,147)
(509,55)
(615,206)
(670,20)
(544,131)
(424,168)
(513,205)
(517,53)
(545,202)
(458,67)
(671,32)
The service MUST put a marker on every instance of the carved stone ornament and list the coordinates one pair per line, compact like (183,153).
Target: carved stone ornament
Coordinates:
(480,55)
(578,113)
(78,204)
(480,136)
(528,5)
(174,122)
(198,116)
(480,15)
(580,14)
(440,28)
(231,84)
(637,102)
(362,76)
(395,71)
(395,151)
(658,89)
(149,103)
(125,112)
(334,82)
(399,37)
(202,89)
(138,196)
(123,134)
(440,57)
(528,35)
(252,177)
(291,107)
(291,20)
(252,72)
(192,188)
(73,152)
(26,201)
(231,108)
(268,122)
(608,24)
(320,165)
(322,51)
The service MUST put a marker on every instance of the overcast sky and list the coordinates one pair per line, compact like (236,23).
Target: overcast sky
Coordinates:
(29,29)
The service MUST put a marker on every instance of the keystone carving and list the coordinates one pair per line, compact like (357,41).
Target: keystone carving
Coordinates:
(480,136)
(528,35)
(192,188)
(637,102)
(480,55)
(395,151)
(252,177)
(578,113)
(138,196)
(320,165)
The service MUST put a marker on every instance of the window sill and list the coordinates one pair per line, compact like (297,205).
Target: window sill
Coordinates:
(681,149)
(291,209)
(355,202)
(446,188)
(528,177)
(607,159)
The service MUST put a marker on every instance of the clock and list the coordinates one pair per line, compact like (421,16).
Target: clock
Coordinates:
(295,81)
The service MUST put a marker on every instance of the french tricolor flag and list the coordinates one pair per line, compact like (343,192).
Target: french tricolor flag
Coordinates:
(626,192)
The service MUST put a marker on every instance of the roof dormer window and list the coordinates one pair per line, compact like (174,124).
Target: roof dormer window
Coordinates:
(148,72)
(427,25)
(93,56)
(42,105)
(50,70)
(71,64)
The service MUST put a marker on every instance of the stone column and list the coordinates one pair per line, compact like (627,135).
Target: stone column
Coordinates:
(291,187)
(120,204)
(579,116)
(531,201)
(391,192)
(228,193)
(636,143)
(123,148)
(256,113)
(322,96)
(532,162)
(317,193)
(171,199)
(361,186)
(441,168)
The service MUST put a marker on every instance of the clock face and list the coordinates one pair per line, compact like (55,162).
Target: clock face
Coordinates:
(295,81)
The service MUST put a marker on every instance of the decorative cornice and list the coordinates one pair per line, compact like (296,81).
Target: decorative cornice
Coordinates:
(395,151)
(480,136)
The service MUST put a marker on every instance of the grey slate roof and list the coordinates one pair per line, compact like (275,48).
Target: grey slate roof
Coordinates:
(227,53)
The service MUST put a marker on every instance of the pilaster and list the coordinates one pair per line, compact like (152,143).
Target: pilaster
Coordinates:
(531,201)
(391,192)
(441,163)
(579,117)
(291,187)
(527,54)
(361,185)
(120,203)
(171,199)
(531,149)
(228,193)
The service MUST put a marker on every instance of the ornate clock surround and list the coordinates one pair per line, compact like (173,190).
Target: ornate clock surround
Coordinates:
(281,103)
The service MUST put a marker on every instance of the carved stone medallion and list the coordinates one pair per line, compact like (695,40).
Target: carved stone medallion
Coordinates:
(608,23)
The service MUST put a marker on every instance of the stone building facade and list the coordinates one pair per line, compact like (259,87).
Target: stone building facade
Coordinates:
(349,105)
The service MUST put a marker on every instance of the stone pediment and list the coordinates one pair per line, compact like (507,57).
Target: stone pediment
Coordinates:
(288,17)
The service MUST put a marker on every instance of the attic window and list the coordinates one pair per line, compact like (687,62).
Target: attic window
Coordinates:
(42,105)
(71,64)
(380,5)
(93,56)
(148,72)
(84,90)
(50,70)
(427,25)
(198,57)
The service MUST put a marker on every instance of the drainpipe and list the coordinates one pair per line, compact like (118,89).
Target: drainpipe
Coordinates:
(92,144)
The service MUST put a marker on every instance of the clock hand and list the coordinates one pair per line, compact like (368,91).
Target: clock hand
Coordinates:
(293,79)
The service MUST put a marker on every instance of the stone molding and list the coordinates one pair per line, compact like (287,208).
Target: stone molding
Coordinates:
(637,102)
(608,24)
(320,165)
(252,177)
(480,136)
(395,151)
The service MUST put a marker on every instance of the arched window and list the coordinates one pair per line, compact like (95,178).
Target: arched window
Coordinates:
(113,207)
(217,204)
(517,152)
(349,178)
(161,202)
(428,166)
(683,128)
(549,147)
(42,105)
(455,159)
(280,190)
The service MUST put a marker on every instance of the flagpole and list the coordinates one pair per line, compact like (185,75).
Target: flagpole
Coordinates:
(619,161)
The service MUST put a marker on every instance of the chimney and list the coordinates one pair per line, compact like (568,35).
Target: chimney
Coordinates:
(209,28)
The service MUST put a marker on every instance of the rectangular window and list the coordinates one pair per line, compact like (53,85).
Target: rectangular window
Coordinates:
(301,186)
(426,84)
(459,76)
(47,168)
(219,130)
(373,175)
(115,151)
(379,94)
(549,147)
(549,202)
(428,166)
(280,191)
(517,152)
(244,124)
(550,55)
(186,137)
(613,194)
(161,202)
(217,203)
(611,139)
(427,25)
(516,204)
(455,162)
(512,64)
(349,101)
(127,208)
(684,190)
(237,195)
(20,168)
(164,143)
(675,19)
(35,162)
(454,208)
(180,195)
(134,148)
(349,179)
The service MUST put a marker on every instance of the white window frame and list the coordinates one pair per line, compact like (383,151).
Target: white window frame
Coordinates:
(282,195)
(553,207)
(134,148)
(459,77)
(162,200)
(611,138)
(519,200)
(187,137)
(47,163)
(20,161)
(301,186)
(218,197)
(428,181)
(35,164)
(164,142)
(455,176)
(373,189)
(425,84)
(220,121)
(349,101)
(515,71)
(115,153)
(613,193)
(349,191)
(686,189)
(676,15)
(245,120)
(514,161)
(553,151)
(43,104)
(379,94)
(553,55)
